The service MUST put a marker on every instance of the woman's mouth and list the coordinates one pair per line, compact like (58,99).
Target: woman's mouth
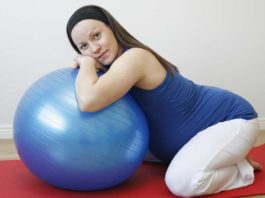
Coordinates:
(101,55)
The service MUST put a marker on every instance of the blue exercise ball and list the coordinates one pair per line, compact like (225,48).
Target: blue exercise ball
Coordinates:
(78,150)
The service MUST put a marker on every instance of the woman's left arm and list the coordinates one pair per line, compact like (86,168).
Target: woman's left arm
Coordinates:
(95,93)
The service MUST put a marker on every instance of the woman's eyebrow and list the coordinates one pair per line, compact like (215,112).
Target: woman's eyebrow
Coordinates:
(89,35)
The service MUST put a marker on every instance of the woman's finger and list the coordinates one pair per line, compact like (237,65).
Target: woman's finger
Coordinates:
(75,64)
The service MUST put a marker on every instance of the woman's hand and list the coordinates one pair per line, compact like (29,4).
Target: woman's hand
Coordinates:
(84,61)
(87,61)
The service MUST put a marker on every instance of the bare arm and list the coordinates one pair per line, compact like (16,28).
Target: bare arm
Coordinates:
(95,93)
(86,78)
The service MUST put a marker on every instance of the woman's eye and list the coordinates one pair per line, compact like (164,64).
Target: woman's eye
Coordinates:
(84,46)
(97,36)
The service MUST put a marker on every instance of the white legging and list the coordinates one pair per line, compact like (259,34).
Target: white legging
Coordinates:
(214,160)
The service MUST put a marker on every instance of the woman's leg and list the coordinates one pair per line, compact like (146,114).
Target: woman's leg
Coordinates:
(214,160)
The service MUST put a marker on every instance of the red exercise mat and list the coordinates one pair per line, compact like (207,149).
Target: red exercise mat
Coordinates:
(148,182)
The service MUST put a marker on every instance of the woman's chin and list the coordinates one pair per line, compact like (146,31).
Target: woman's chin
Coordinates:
(107,62)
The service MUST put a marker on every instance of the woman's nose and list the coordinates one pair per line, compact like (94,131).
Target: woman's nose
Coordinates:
(95,48)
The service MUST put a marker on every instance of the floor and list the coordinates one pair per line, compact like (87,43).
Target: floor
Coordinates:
(8,152)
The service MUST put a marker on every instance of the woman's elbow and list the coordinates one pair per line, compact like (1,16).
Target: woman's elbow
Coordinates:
(86,105)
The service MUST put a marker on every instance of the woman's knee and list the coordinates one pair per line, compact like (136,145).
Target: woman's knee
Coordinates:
(184,183)
(191,185)
(202,182)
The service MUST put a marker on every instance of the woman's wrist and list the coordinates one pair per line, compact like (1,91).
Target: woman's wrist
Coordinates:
(88,63)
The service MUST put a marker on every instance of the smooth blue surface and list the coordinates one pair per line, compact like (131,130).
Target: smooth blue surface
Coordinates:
(75,150)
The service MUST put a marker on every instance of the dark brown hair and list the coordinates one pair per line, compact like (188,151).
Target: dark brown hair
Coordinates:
(124,38)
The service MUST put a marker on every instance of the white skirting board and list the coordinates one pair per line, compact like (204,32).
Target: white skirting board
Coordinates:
(262,123)
(6,130)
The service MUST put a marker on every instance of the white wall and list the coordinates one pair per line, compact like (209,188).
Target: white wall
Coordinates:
(219,43)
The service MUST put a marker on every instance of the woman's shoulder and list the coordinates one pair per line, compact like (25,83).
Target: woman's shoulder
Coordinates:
(153,73)
(134,58)
(137,50)
(137,53)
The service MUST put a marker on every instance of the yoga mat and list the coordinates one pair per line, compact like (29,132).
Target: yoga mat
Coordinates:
(148,181)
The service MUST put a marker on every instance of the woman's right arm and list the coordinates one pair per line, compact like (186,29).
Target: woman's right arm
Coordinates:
(95,93)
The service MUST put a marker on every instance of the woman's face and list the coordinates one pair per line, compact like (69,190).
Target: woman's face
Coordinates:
(95,39)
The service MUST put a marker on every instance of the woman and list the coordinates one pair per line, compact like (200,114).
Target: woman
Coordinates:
(204,133)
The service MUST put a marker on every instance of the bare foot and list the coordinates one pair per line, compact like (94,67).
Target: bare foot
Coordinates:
(256,166)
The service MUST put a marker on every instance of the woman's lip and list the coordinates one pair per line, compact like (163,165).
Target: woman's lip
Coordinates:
(101,55)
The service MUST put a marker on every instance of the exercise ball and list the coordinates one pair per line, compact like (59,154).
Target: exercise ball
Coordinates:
(78,150)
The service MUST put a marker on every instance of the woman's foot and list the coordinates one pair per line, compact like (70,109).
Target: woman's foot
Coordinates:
(256,166)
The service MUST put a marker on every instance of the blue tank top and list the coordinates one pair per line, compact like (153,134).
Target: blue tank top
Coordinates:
(178,109)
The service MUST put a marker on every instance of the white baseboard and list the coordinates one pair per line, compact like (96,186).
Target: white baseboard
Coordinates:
(6,131)
(262,123)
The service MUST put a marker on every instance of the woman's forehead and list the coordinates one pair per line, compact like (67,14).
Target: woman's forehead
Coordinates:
(85,27)
(88,24)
